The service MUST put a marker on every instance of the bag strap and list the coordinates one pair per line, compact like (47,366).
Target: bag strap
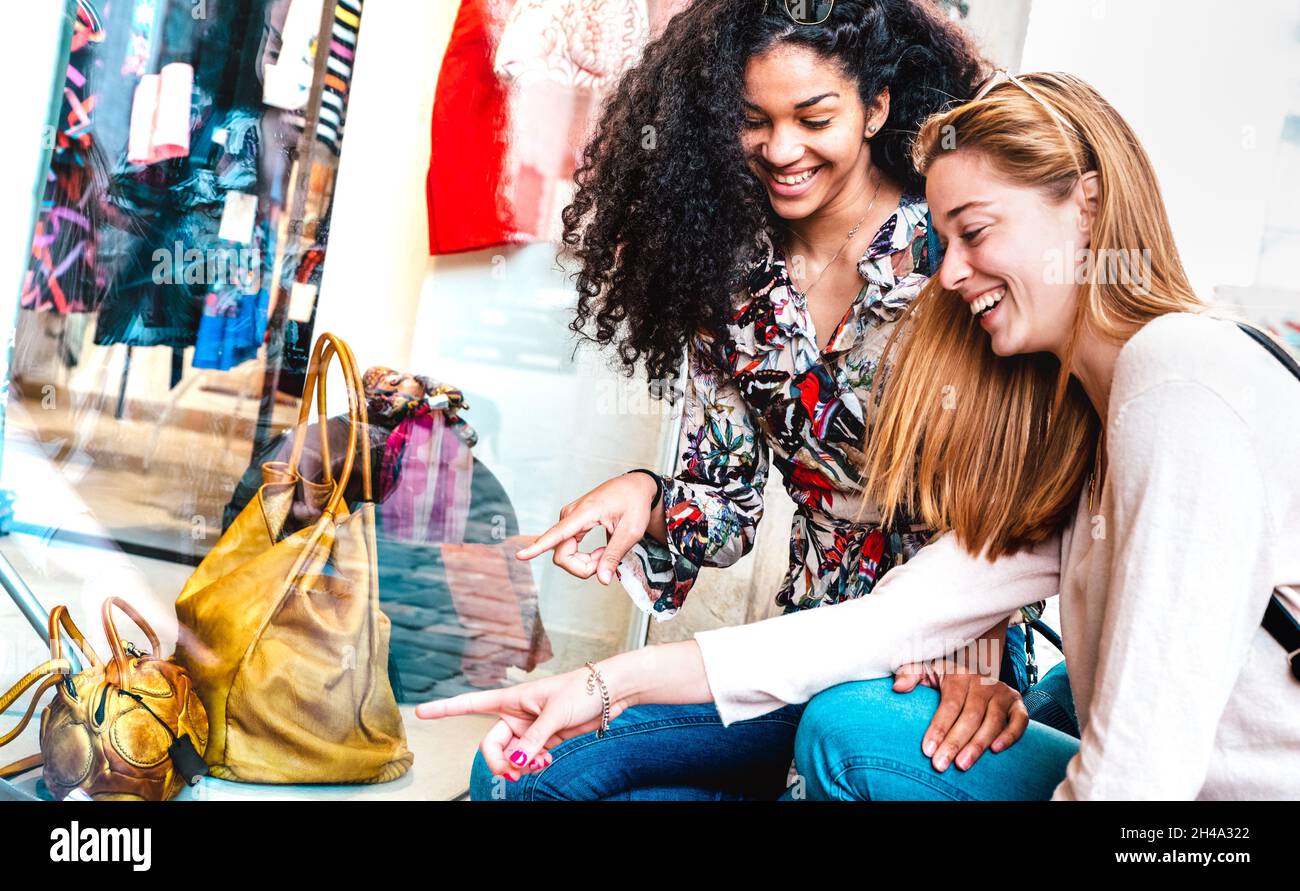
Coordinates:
(1277,620)
(48,673)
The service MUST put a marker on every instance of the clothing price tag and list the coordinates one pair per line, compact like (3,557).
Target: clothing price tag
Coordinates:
(237,217)
(302,300)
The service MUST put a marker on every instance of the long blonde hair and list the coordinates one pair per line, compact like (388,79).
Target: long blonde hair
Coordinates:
(998,449)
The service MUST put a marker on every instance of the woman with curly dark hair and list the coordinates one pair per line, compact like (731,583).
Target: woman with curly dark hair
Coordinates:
(747,198)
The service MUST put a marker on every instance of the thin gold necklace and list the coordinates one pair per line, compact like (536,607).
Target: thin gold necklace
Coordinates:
(848,238)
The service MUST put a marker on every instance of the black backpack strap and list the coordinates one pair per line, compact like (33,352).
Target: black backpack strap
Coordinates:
(1277,620)
(1285,630)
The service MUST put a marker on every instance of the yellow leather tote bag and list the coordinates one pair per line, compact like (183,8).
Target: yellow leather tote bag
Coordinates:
(281,631)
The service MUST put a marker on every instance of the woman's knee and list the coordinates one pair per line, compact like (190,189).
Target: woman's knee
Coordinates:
(485,785)
(852,723)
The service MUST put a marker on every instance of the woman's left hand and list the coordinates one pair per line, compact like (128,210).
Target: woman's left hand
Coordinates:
(534,717)
(975,712)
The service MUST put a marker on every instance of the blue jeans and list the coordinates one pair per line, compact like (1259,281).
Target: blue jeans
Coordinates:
(1050,701)
(660,753)
(861,741)
(680,753)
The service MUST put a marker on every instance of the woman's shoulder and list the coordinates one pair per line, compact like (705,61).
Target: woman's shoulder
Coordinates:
(1186,346)
(1211,353)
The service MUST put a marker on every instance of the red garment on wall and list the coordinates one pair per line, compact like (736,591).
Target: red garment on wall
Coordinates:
(467,211)
(517,96)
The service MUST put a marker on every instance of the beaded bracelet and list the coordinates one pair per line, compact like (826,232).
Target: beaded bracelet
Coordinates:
(592,681)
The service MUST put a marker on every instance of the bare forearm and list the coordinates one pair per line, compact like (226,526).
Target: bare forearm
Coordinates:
(669,674)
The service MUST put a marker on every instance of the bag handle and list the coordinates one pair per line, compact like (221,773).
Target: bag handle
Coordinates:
(59,616)
(313,386)
(327,347)
(360,434)
(120,657)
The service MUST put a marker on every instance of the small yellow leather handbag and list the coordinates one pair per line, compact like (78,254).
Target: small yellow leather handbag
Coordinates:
(282,631)
(129,729)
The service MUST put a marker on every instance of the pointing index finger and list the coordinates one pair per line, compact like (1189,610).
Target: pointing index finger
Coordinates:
(477,703)
(566,528)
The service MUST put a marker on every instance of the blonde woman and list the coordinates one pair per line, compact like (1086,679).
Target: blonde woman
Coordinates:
(1108,419)
(1062,403)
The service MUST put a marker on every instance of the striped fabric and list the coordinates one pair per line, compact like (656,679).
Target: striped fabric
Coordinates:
(338,75)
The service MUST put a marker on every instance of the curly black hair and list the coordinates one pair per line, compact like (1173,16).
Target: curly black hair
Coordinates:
(664,220)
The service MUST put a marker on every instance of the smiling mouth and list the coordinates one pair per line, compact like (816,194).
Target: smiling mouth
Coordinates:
(982,306)
(797,179)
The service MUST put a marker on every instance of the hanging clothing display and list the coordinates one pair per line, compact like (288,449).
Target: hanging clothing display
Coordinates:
(467,210)
(63,274)
(170,241)
(178,249)
(578,43)
(517,95)
(287,77)
(169,170)
(233,325)
(287,80)
(160,115)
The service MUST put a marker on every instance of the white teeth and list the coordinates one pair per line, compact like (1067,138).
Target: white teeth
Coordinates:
(794,180)
(988,301)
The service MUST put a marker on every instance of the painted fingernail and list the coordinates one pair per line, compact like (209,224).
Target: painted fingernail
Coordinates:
(518,758)
(942,763)
(928,747)
(964,762)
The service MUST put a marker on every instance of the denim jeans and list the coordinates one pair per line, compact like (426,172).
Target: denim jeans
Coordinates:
(680,753)
(860,741)
(660,752)
(1050,701)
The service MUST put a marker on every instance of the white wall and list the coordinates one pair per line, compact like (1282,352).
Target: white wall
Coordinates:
(1206,86)
(377,256)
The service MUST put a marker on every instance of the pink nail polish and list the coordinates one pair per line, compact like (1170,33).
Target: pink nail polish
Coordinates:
(518,758)
(928,747)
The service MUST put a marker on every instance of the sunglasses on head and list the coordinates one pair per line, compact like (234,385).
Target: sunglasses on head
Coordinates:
(1002,75)
(806,12)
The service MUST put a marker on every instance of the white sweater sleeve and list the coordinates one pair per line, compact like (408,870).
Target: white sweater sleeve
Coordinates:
(1187,587)
(928,607)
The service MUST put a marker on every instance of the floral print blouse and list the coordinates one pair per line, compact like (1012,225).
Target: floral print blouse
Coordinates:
(781,401)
